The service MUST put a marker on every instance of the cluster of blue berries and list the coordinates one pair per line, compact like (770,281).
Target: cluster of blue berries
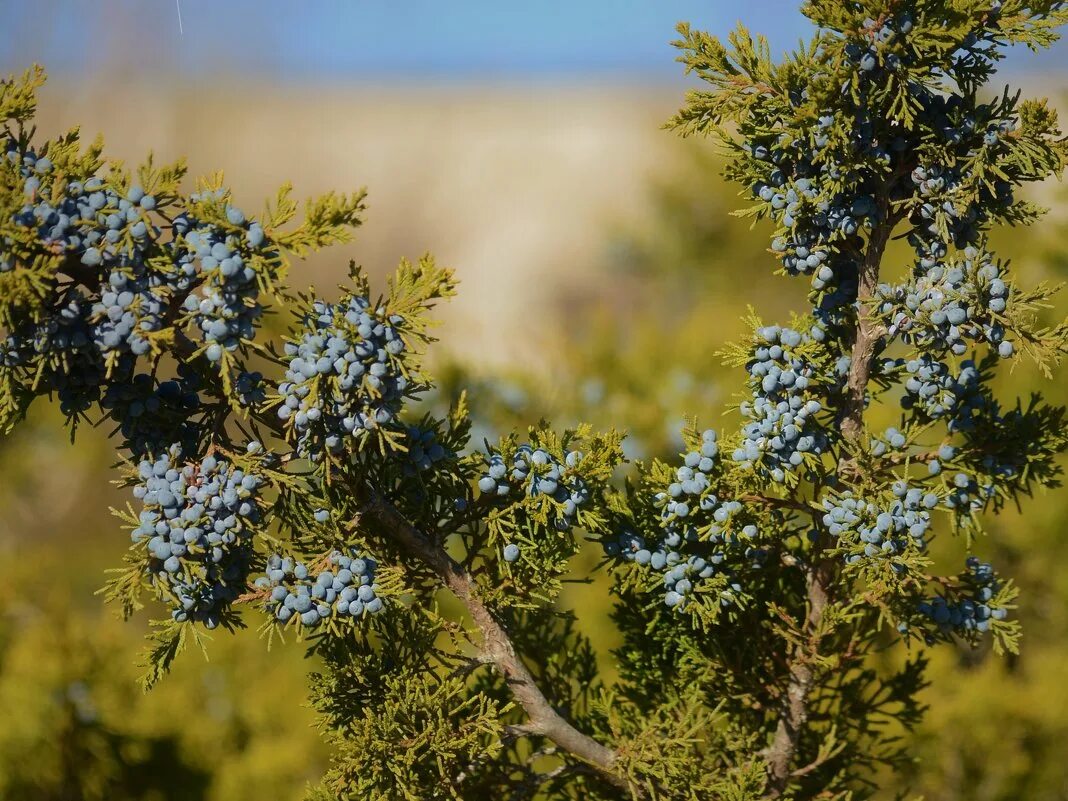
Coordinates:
(151,417)
(87,218)
(965,615)
(933,390)
(72,366)
(138,267)
(682,574)
(132,305)
(679,580)
(967,495)
(999,464)
(345,587)
(701,536)
(250,387)
(224,306)
(821,205)
(891,440)
(995,132)
(709,555)
(784,411)
(871,57)
(424,450)
(536,473)
(835,298)
(940,187)
(814,221)
(196,527)
(345,375)
(942,218)
(881,531)
(945,307)
(692,479)
(106,232)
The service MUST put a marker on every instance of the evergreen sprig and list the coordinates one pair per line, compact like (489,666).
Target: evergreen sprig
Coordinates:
(756,580)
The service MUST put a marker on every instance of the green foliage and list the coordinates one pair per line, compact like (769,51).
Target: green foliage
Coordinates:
(757,587)
(78,726)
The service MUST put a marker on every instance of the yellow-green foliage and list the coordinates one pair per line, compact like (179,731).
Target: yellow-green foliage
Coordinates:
(427,701)
(76,724)
(995,728)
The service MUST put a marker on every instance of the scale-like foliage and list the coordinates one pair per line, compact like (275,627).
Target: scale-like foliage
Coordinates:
(755,580)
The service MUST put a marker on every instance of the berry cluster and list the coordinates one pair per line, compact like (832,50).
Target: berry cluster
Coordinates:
(947,306)
(785,427)
(151,417)
(797,200)
(536,473)
(424,450)
(876,530)
(196,528)
(139,267)
(250,387)
(966,494)
(681,574)
(344,587)
(970,613)
(679,579)
(932,390)
(872,56)
(345,376)
(224,306)
(85,218)
(891,440)
(107,233)
(686,492)
(701,536)
(61,356)
(807,246)
(939,189)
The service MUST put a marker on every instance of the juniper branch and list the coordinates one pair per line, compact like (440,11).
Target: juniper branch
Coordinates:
(497,646)
(824,572)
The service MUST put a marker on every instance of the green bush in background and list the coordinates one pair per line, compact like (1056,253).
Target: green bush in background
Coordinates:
(76,725)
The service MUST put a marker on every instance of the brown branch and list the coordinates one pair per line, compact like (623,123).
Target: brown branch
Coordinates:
(793,715)
(497,646)
(816,763)
(897,459)
(851,417)
(784,503)
(517,730)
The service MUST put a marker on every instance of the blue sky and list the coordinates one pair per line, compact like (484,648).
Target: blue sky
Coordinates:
(319,40)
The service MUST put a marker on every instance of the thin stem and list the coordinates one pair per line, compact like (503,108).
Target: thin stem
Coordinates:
(780,503)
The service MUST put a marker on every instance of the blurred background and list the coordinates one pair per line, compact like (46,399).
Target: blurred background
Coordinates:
(600,275)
